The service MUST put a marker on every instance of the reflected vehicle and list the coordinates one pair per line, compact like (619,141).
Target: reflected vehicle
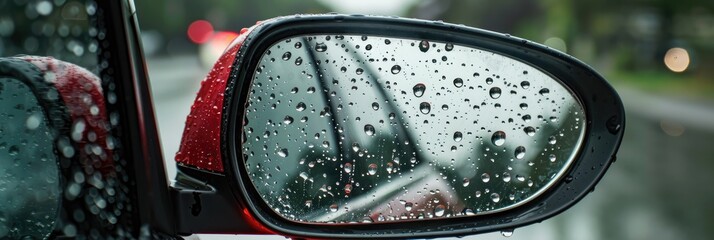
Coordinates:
(316,126)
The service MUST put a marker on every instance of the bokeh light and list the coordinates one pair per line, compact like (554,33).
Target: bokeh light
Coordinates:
(676,59)
(200,31)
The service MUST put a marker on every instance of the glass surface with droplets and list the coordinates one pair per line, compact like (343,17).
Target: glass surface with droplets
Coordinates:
(365,129)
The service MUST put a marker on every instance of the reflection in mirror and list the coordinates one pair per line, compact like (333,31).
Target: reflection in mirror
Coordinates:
(362,129)
(29,174)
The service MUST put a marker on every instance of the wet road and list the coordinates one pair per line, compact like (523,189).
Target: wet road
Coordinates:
(659,188)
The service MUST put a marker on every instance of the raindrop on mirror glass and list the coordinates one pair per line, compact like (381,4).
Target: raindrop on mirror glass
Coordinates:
(520,152)
(396,69)
(551,140)
(485,177)
(359,71)
(310,89)
(523,106)
(333,207)
(458,136)
(425,107)
(495,92)
(458,82)
(439,210)
(372,169)
(288,120)
(286,56)
(300,106)
(424,46)
(466,182)
(375,106)
(369,129)
(320,47)
(355,147)
(551,157)
(298,61)
(348,167)
(495,197)
(489,81)
(498,138)
(419,89)
(525,84)
(507,233)
(544,91)
(449,47)
(298,45)
(529,130)
(283,152)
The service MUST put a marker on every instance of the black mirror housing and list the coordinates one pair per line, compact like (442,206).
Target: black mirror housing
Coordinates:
(230,196)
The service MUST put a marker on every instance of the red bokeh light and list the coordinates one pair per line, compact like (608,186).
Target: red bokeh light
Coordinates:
(200,31)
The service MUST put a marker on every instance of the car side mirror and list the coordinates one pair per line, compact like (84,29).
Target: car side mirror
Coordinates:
(336,126)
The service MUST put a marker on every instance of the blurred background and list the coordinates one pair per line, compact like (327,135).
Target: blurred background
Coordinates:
(656,53)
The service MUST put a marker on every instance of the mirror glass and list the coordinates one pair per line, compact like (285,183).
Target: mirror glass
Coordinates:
(366,129)
(29,174)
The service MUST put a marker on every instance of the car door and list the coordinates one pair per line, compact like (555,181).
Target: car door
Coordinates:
(79,151)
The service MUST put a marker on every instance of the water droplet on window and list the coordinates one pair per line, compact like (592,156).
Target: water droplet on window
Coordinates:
(375,106)
(506,177)
(485,177)
(355,147)
(520,152)
(458,136)
(320,47)
(425,107)
(298,61)
(310,89)
(396,69)
(495,92)
(408,206)
(424,46)
(489,81)
(359,71)
(368,47)
(369,129)
(298,45)
(419,89)
(13,150)
(498,138)
(33,122)
(286,56)
(458,82)
(551,140)
(551,157)
(465,182)
(333,207)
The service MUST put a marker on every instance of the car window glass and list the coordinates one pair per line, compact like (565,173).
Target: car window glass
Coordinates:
(66,42)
